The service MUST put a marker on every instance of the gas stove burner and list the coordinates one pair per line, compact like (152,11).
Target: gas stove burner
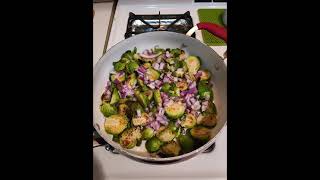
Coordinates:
(137,24)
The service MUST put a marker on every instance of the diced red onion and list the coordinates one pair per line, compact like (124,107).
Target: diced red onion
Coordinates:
(178,122)
(155,125)
(198,74)
(196,105)
(161,66)
(175,79)
(158,84)
(145,51)
(159,58)
(192,85)
(152,85)
(142,69)
(156,66)
(161,111)
(150,56)
(168,55)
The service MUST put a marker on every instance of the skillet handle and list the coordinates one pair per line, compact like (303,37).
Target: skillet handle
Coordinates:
(214,29)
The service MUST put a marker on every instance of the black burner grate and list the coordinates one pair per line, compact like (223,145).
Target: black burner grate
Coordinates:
(137,24)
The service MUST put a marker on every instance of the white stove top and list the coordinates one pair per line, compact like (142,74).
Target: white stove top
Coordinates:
(211,165)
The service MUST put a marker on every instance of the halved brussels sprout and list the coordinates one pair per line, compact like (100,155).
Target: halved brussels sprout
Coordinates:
(148,94)
(166,87)
(153,144)
(193,64)
(140,121)
(107,109)
(205,91)
(152,74)
(157,97)
(123,109)
(201,133)
(211,108)
(115,96)
(132,80)
(206,119)
(115,124)
(186,142)
(166,135)
(171,149)
(175,110)
(147,133)
(133,107)
(131,67)
(205,75)
(130,137)
(120,78)
(119,66)
(143,100)
(189,122)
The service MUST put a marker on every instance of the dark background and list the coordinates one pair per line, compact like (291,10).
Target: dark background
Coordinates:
(46,88)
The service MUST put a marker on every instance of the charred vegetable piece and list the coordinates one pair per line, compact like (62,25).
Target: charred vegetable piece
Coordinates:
(175,110)
(123,108)
(171,149)
(201,133)
(206,119)
(189,122)
(130,137)
(115,97)
(157,97)
(153,144)
(186,142)
(147,133)
(166,135)
(107,109)
(115,124)
(193,64)
(143,100)
(211,108)
(205,91)
(140,121)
